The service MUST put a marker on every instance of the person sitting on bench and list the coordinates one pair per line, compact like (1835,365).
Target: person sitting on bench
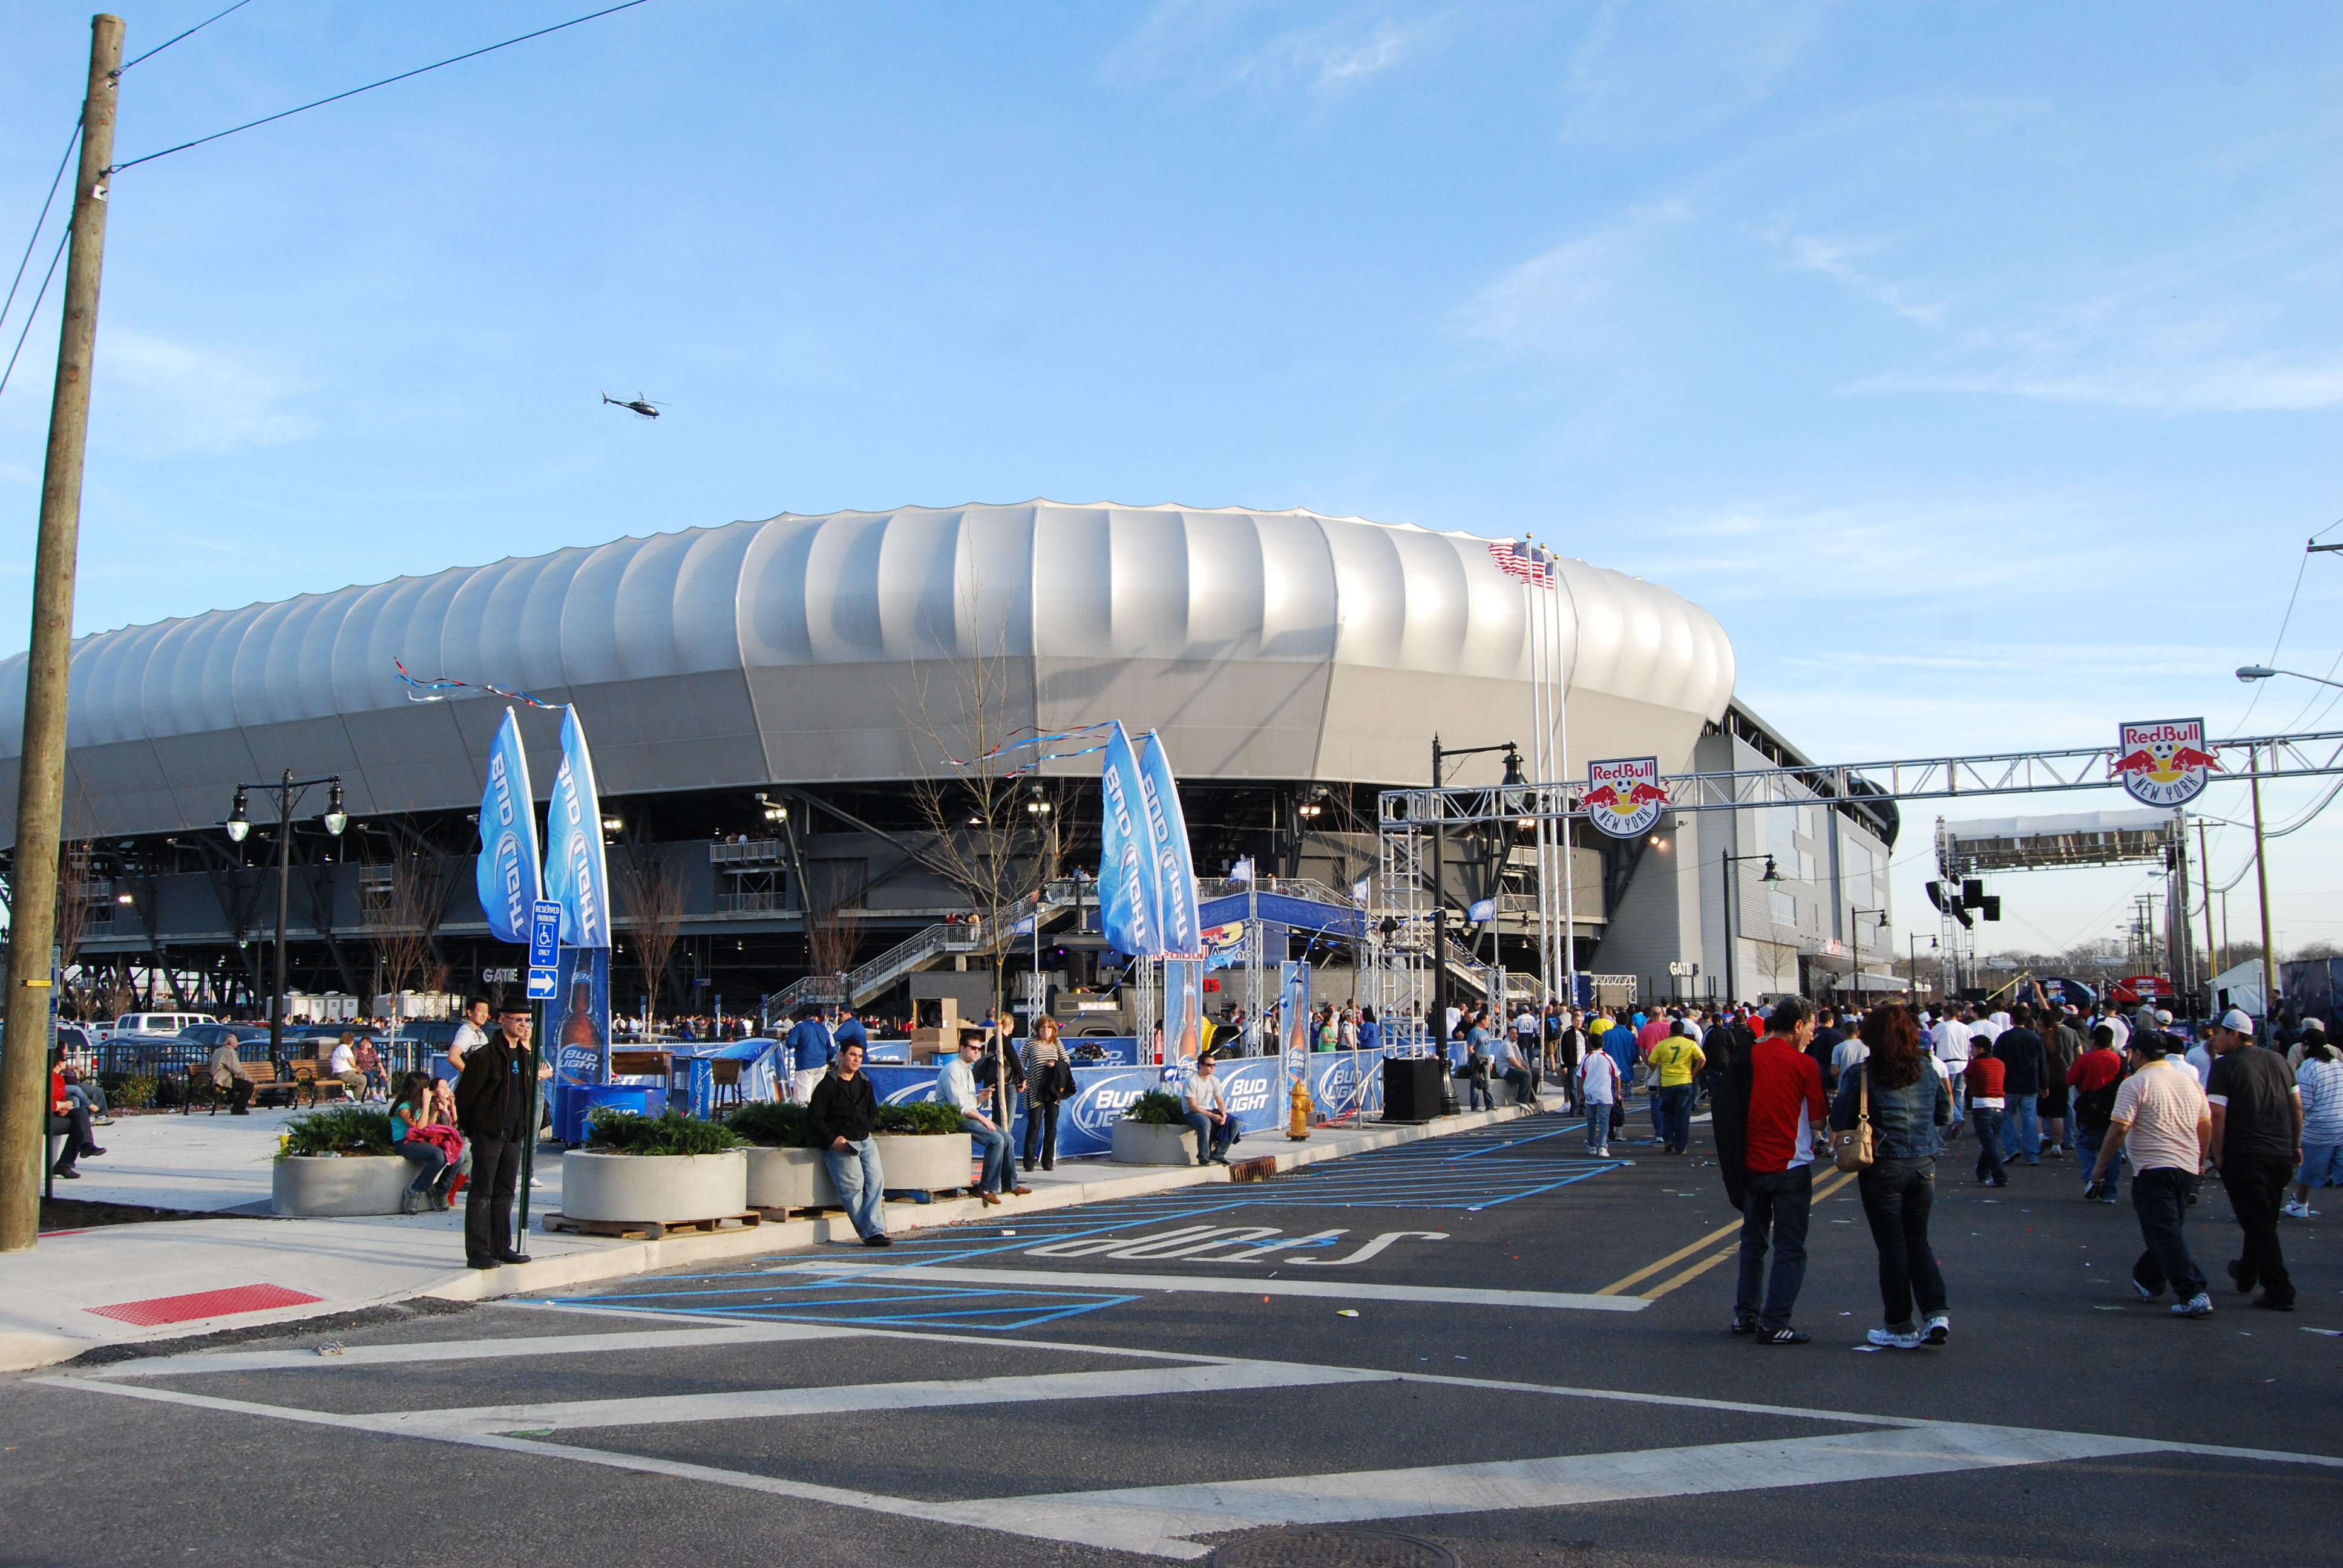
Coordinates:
(1208,1113)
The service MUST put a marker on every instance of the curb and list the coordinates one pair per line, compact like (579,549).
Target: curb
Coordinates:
(25,1350)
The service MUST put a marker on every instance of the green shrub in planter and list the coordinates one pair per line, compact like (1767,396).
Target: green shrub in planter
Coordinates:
(1157,1109)
(921,1119)
(135,1093)
(624,1133)
(774,1125)
(336,1130)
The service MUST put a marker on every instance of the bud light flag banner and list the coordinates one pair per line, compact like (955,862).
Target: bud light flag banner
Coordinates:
(507,874)
(1293,1019)
(575,872)
(1624,796)
(1126,879)
(2163,763)
(580,1017)
(1175,871)
(1184,1016)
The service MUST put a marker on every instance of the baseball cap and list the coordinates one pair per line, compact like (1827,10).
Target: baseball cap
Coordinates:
(2163,1015)
(2236,1018)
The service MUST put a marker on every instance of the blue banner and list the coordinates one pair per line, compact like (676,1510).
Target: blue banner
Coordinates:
(1183,1017)
(507,873)
(1175,871)
(575,871)
(1293,1019)
(1126,879)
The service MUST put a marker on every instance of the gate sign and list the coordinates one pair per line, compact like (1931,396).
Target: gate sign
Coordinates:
(2163,763)
(1623,796)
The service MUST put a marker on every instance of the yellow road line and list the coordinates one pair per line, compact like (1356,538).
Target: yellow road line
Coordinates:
(1689,1275)
(1617,1287)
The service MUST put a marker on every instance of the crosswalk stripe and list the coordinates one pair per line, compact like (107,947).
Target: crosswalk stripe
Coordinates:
(1222,1284)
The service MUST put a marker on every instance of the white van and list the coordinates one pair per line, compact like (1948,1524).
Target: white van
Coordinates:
(156,1023)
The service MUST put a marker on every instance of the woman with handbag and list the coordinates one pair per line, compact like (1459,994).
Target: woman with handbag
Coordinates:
(1048,1083)
(1887,1125)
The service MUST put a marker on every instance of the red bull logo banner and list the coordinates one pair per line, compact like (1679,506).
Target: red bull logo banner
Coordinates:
(2164,762)
(1624,796)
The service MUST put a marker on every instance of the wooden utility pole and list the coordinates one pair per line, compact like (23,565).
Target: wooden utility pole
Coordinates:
(41,778)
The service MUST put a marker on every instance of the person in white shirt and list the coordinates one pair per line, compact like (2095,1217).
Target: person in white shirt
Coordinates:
(1207,1100)
(1511,1063)
(1598,1087)
(471,1034)
(956,1087)
(344,1064)
(1850,1050)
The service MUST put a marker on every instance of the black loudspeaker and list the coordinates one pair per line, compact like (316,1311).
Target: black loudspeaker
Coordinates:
(1411,1088)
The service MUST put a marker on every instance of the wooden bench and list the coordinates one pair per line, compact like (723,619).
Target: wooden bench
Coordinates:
(306,1076)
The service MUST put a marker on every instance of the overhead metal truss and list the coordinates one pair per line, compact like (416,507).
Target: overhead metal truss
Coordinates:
(2269,757)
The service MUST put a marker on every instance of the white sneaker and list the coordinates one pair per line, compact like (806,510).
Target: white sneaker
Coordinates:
(1894,1341)
(1938,1330)
(2199,1305)
(536,1181)
(2299,1211)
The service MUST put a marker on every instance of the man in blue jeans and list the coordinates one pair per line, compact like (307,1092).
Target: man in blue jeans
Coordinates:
(842,1120)
(1207,1100)
(1770,1135)
(956,1087)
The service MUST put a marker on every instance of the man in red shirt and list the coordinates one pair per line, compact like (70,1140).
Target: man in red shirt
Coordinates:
(1785,1108)
(1986,1077)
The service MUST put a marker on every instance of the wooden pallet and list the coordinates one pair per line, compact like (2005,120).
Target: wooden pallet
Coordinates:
(814,1210)
(650,1230)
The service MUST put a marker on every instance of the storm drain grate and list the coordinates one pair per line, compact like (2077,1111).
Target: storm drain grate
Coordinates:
(1322,1546)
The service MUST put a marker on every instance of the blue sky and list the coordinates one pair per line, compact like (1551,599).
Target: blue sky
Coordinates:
(1977,365)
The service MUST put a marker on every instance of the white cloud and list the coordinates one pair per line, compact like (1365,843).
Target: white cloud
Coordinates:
(157,394)
(1221,43)
(1647,71)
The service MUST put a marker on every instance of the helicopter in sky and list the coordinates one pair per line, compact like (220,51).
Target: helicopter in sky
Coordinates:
(642,405)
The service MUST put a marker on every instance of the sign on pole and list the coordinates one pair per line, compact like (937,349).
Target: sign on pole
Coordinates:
(544,950)
(2162,762)
(1624,796)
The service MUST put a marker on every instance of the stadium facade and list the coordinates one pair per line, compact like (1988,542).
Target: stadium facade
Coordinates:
(773,705)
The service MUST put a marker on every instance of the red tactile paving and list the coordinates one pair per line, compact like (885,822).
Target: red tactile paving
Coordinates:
(203,1305)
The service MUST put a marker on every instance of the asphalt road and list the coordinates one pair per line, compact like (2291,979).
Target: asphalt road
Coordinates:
(1487,1340)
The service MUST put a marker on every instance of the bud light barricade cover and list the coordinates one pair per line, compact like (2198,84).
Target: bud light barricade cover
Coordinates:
(507,873)
(1175,869)
(1126,875)
(575,872)
(1342,1084)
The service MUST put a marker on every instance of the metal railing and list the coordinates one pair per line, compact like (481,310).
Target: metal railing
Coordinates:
(758,903)
(944,939)
(755,852)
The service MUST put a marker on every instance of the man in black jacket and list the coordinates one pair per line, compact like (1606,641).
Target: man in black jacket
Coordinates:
(840,1121)
(494,1098)
(2023,1069)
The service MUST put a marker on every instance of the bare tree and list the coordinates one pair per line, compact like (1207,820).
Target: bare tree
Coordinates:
(76,863)
(834,916)
(650,903)
(401,911)
(996,856)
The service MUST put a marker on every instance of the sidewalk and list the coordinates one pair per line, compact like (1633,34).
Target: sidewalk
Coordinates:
(111,1284)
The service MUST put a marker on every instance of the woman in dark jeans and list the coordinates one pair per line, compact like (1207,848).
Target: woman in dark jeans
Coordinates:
(1910,1105)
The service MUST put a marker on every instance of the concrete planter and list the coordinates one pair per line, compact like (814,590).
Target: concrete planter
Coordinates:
(910,1162)
(324,1186)
(789,1178)
(1144,1143)
(654,1187)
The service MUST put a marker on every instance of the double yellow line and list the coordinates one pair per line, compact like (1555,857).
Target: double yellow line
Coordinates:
(1621,1287)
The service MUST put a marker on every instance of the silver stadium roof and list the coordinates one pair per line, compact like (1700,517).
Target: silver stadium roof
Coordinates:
(1263,645)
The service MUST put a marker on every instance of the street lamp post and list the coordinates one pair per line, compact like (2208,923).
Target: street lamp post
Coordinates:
(1855,929)
(1913,964)
(1732,887)
(2249,674)
(289,791)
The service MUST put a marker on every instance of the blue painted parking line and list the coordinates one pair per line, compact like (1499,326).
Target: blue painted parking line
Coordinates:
(859,1299)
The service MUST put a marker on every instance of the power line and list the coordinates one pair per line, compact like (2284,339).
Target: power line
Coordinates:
(55,257)
(34,239)
(370,86)
(190,33)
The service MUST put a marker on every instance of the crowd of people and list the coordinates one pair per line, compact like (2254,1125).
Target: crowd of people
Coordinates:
(1884,1094)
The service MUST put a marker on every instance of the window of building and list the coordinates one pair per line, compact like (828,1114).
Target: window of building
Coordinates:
(1785,909)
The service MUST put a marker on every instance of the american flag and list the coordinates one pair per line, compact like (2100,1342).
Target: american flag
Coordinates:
(1530,563)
